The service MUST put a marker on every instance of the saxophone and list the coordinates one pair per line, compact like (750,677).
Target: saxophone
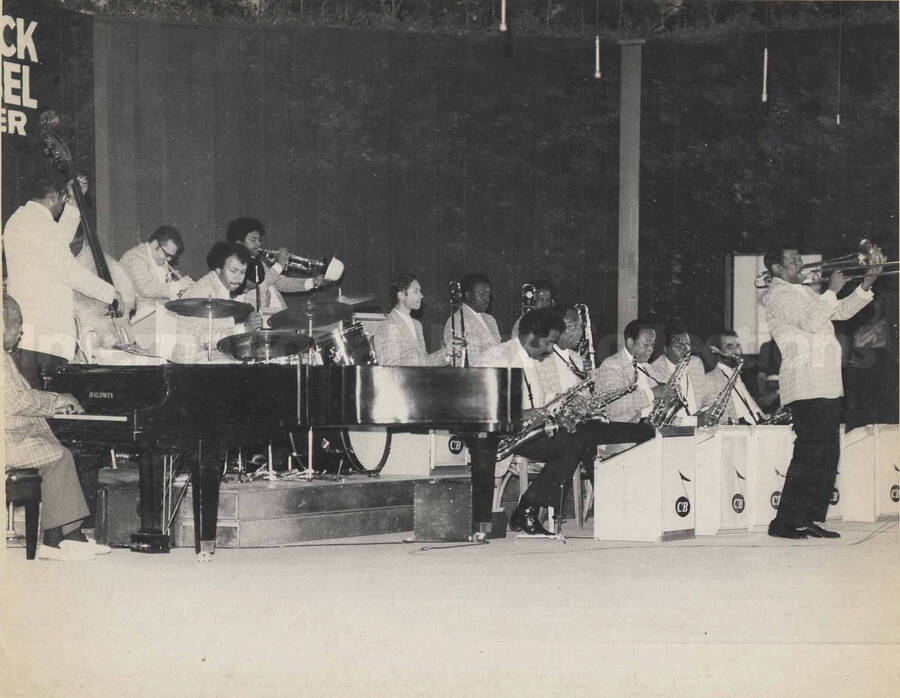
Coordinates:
(666,407)
(597,402)
(565,411)
(711,417)
(781,416)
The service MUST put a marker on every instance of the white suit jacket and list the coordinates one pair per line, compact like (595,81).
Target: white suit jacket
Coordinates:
(43,274)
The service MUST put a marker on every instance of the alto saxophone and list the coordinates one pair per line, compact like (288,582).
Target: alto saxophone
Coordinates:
(666,407)
(711,417)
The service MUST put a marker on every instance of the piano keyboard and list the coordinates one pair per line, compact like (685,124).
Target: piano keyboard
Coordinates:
(92,417)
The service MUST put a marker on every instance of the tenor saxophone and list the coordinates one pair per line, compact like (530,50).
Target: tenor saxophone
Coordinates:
(547,420)
(566,412)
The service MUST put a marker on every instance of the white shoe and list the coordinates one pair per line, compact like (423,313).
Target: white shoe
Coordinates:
(65,553)
(99,548)
(90,546)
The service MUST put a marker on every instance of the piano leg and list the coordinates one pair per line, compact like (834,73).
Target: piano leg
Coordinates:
(150,539)
(483,456)
(205,493)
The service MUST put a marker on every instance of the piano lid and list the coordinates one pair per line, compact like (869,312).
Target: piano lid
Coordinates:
(471,399)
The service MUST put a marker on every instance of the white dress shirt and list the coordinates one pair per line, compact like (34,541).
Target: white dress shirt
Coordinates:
(742,403)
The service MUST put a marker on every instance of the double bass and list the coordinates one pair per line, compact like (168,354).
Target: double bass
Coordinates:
(93,318)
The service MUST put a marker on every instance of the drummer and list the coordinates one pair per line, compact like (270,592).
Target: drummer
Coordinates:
(227,262)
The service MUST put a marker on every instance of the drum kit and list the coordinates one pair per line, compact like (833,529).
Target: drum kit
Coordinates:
(291,333)
(291,339)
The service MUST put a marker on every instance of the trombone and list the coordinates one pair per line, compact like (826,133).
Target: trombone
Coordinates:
(855,265)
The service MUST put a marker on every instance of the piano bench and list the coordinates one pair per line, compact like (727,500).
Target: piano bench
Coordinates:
(23,487)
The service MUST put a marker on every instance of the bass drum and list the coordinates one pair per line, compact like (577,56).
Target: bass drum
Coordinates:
(349,346)
(365,451)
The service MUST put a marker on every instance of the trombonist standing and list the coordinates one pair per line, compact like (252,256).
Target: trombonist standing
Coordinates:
(248,232)
(801,323)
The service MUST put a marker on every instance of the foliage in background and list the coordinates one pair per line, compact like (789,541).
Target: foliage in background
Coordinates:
(697,20)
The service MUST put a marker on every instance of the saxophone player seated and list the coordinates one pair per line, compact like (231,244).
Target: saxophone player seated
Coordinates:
(718,388)
(677,344)
(617,371)
(544,376)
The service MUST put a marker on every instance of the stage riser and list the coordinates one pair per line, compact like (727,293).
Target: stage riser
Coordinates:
(263,514)
(264,533)
(285,498)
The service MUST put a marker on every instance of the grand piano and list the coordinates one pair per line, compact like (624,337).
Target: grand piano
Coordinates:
(198,410)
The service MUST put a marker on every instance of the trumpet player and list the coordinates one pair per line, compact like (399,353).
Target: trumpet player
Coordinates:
(481,327)
(399,340)
(249,233)
(801,322)
(151,266)
(535,294)
(532,351)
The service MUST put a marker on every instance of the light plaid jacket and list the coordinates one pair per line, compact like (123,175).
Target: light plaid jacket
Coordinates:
(481,332)
(616,372)
(800,321)
(29,441)
(395,344)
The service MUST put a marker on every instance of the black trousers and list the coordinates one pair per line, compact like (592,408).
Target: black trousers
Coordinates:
(811,474)
(560,455)
(33,364)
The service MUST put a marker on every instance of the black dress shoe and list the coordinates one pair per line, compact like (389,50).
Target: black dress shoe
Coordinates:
(525,519)
(778,529)
(816,531)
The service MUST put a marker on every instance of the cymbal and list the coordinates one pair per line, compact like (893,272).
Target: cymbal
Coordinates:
(321,312)
(356,300)
(210,307)
(264,344)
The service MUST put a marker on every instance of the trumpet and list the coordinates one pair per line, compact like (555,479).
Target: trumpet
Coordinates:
(331,268)
(529,297)
(855,265)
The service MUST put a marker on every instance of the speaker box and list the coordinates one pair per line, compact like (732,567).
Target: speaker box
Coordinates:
(118,514)
(442,510)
